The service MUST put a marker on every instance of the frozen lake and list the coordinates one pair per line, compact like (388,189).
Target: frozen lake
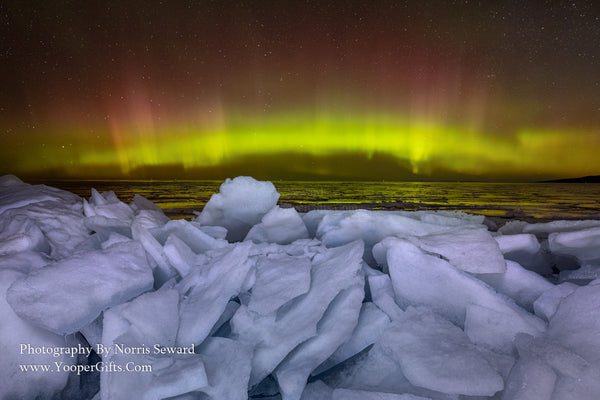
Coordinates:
(524,201)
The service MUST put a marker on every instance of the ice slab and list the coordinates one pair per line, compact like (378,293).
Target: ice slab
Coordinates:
(468,249)
(227,364)
(20,233)
(151,318)
(424,279)
(24,262)
(437,355)
(583,244)
(61,223)
(275,335)
(576,323)
(180,256)
(15,332)
(156,378)
(279,279)
(106,226)
(542,230)
(546,305)
(530,379)
(382,294)
(159,262)
(194,237)
(11,180)
(576,378)
(372,322)
(16,194)
(69,294)
(520,284)
(240,204)
(334,328)
(279,225)
(207,290)
(107,205)
(339,228)
(583,275)
(495,328)
(525,249)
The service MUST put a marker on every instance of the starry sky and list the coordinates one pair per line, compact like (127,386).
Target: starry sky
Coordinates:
(405,90)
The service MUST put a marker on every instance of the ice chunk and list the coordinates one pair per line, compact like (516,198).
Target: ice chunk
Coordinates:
(19,234)
(141,203)
(525,243)
(180,256)
(114,238)
(162,268)
(530,379)
(24,262)
(525,249)
(218,232)
(424,279)
(150,377)
(350,394)
(107,205)
(227,364)
(336,229)
(448,218)
(279,279)
(583,244)
(151,318)
(11,180)
(150,219)
(545,306)
(230,310)
(372,322)
(69,294)
(382,294)
(302,247)
(279,225)
(148,214)
(313,218)
(240,204)
(61,224)
(521,285)
(106,226)
(15,194)
(196,239)
(583,275)
(207,290)
(576,323)
(469,249)
(542,230)
(496,328)
(275,335)
(577,379)
(435,354)
(15,336)
(333,329)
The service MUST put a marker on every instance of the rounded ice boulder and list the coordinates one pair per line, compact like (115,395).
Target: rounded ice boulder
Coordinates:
(241,203)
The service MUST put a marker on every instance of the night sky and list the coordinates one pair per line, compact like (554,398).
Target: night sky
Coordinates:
(407,90)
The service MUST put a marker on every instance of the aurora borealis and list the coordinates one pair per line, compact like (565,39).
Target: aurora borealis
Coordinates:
(372,90)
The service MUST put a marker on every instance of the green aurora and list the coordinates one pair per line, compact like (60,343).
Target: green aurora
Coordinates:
(382,90)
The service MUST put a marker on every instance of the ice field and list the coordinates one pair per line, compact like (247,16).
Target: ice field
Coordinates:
(106,300)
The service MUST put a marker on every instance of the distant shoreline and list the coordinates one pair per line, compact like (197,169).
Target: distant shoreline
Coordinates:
(583,179)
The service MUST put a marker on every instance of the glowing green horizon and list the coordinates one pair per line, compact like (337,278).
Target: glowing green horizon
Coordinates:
(426,145)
